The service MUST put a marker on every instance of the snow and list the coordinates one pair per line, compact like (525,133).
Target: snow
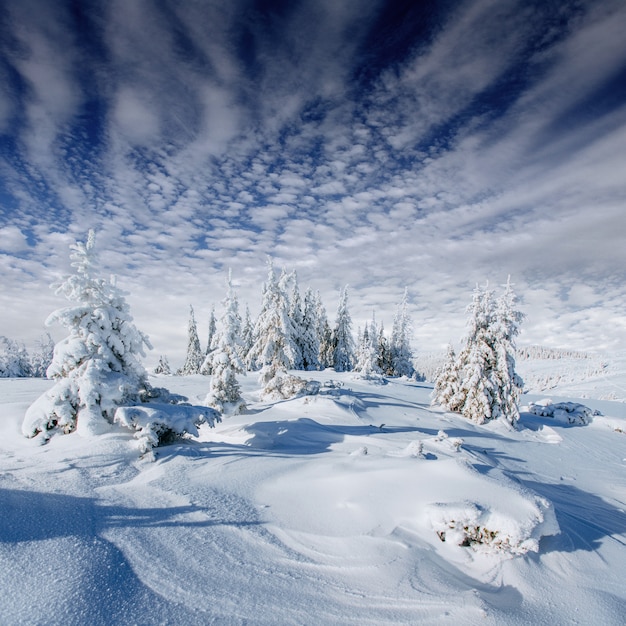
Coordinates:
(322,509)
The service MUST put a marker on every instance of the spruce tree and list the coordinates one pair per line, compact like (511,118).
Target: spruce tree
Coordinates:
(247,338)
(506,327)
(324,332)
(272,349)
(448,382)
(343,356)
(296,316)
(482,384)
(309,337)
(225,392)
(401,353)
(97,367)
(195,357)
(206,368)
(163,366)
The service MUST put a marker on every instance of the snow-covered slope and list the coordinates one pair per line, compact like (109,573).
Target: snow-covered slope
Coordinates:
(359,505)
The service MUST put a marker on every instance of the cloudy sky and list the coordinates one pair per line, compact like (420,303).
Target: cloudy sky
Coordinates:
(430,144)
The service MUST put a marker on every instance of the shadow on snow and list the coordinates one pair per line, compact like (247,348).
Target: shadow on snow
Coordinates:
(34,516)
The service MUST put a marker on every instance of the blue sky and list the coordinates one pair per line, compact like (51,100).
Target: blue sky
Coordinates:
(423,144)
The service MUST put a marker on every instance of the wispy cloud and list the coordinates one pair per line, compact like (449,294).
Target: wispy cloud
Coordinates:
(198,136)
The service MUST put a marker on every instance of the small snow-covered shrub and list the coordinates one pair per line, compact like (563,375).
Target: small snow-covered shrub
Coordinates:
(565,412)
(468,524)
(283,386)
(156,423)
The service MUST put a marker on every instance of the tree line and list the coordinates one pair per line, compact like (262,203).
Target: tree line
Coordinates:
(100,380)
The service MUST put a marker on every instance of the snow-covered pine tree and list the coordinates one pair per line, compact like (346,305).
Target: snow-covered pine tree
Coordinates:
(272,349)
(343,356)
(42,356)
(448,382)
(97,367)
(225,392)
(296,315)
(163,366)
(205,368)
(383,352)
(400,345)
(482,384)
(247,338)
(309,338)
(194,358)
(325,334)
(477,393)
(505,328)
(367,363)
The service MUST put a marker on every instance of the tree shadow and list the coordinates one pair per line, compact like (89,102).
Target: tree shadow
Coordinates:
(36,516)
(584,518)
(306,436)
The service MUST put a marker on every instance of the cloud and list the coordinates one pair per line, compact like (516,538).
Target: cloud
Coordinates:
(197,136)
(12,240)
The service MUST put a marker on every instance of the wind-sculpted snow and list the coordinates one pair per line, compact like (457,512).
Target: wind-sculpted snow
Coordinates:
(357,505)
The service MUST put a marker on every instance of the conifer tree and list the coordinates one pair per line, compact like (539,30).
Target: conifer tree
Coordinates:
(163,366)
(482,384)
(97,367)
(506,327)
(368,355)
(296,317)
(206,368)
(343,357)
(309,338)
(401,353)
(272,348)
(325,335)
(247,338)
(194,358)
(225,392)
(447,382)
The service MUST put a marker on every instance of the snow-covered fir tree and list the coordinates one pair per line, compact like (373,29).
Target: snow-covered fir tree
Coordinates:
(195,357)
(482,384)
(367,353)
(343,355)
(325,335)
(309,337)
(448,382)
(383,351)
(225,392)
(205,368)
(247,338)
(163,366)
(272,349)
(505,328)
(477,392)
(296,316)
(401,354)
(97,367)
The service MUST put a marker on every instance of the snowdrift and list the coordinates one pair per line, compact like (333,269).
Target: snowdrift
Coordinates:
(358,504)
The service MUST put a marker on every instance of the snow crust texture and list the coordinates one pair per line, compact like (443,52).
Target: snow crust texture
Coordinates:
(356,503)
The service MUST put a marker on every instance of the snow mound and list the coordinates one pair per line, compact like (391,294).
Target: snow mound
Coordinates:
(487,530)
(565,412)
(157,423)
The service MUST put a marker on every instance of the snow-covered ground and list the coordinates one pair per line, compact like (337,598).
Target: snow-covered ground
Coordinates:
(359,505)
